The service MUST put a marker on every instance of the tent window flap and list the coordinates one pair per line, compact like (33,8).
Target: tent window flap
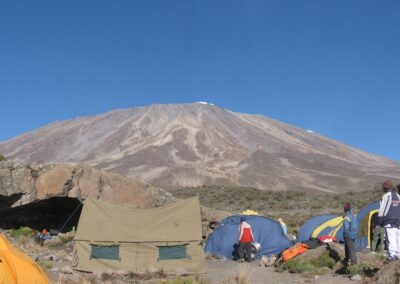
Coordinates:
(172,252)
(105,252)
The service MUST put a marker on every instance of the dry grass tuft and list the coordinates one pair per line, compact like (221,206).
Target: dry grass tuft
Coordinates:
(242,276)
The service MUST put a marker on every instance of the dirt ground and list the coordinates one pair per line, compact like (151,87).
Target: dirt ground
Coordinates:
(56,258)
(224,272)
(221,271)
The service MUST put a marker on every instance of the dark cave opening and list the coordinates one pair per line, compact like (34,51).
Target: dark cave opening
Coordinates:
(59,213)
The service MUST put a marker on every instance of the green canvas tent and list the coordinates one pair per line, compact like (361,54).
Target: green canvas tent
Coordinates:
(118,238)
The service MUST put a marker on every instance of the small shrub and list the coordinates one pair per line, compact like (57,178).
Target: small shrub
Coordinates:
(148,275)
(380,257)
(106,276)
(243,274)
(324,260)
(24,240)
(295,266)
(316,266)
(360,269)
(67,237)
(154,274)
(46,264)
(53,243)
(23,231)
(2,158)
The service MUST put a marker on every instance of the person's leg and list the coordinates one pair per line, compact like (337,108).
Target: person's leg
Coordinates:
(346,250)
(392,242)
(381,234)
(241,252)
(375,238)
(247,250)
(352,251)
(397,230)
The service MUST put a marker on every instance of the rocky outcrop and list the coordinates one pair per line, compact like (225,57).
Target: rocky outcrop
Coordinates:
(15,178)
(20,185)
(388,273)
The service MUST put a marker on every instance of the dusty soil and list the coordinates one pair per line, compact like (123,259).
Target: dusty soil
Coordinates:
(56,257)
(221,271)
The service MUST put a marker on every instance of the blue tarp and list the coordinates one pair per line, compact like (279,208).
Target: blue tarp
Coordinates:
(267,232)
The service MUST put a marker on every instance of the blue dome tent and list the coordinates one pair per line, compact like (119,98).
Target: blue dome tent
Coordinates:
(333,225)
(320,226)
(364,218)
(267,232)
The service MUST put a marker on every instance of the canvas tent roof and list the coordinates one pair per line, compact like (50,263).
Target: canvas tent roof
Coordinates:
(111,237)
(105,222)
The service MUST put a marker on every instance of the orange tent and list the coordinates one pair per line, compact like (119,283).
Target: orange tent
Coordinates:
(17,268)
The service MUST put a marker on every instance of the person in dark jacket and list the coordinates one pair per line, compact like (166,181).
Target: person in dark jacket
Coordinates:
(350,234)
(389,218)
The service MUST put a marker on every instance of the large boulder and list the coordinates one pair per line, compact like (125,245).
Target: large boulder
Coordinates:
(388,274)
(20,185)
(51,182)
(15,178)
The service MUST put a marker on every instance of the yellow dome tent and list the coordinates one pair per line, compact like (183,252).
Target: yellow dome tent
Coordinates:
(18,268)
(250,212)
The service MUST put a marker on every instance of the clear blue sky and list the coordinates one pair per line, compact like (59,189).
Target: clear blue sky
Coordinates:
(329,66)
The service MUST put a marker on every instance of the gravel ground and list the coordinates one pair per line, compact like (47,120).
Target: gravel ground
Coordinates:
(221,271)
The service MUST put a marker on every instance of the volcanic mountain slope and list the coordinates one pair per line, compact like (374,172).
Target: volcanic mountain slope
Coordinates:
(191,145)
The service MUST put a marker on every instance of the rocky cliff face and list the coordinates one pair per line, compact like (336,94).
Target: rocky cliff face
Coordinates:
(51,197)
(20,185)
(201,144)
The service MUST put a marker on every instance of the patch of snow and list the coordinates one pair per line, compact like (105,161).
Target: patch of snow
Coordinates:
(311,131)
(204,103)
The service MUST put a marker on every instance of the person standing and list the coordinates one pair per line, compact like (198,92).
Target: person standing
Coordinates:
(350,234)
(389,218)
(378,235)
(245,239)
